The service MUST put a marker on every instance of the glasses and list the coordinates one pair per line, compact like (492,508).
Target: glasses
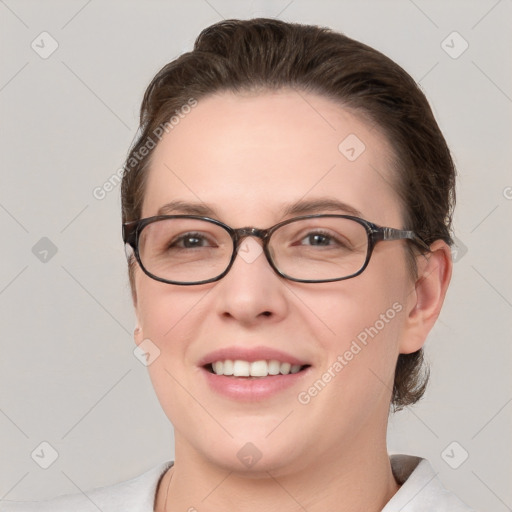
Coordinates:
(190,249)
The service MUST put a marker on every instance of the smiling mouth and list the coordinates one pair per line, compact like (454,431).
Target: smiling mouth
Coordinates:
(253,370)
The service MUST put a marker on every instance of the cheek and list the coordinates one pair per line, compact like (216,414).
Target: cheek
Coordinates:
(162,310)
(165,313)
(361,319)
(363,332)
(347,308)
(359,349)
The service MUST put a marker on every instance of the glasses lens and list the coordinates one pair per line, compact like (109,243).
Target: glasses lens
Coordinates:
(185,250)
(320,248)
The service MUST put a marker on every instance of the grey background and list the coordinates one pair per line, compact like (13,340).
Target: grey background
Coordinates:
(68,373)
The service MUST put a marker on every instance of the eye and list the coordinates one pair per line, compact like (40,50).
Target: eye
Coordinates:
(321,238)
(318,238)
(191,241)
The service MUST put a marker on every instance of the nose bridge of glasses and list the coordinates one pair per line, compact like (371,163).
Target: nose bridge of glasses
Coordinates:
(248,231)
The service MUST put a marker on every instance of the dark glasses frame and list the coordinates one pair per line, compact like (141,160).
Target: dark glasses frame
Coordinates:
(132,229)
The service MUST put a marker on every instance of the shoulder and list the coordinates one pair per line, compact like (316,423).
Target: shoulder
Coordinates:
(135,495)
(421,490)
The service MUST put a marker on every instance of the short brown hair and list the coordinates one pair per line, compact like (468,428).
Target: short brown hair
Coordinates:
(268,54)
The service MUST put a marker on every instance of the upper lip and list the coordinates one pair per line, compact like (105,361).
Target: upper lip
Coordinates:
(250,354)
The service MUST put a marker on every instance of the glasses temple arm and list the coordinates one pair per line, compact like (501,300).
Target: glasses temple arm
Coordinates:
(400,234)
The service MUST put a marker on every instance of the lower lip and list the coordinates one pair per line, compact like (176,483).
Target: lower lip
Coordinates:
(252,389)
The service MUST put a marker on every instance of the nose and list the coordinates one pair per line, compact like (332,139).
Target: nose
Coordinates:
(251,290)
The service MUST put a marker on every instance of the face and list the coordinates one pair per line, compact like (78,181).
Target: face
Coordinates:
(246,157)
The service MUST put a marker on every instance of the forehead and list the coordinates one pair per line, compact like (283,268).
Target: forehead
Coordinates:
(246,155)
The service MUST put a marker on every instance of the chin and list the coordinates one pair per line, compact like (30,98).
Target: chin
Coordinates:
(255,456)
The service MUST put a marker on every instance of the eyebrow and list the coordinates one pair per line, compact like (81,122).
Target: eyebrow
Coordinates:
(300,207)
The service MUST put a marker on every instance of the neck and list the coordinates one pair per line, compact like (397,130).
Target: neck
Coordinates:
(356,479)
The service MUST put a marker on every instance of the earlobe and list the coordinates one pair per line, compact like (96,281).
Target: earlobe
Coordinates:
(138,335)
(426,300)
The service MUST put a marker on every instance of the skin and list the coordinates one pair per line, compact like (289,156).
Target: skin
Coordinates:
(247,155)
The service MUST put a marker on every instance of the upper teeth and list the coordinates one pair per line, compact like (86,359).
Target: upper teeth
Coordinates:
(239,368)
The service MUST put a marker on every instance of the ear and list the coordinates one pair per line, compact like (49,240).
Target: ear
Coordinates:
(424,302)
(138,334)
(132,268)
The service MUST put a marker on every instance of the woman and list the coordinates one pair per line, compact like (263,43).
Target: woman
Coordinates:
(287,214)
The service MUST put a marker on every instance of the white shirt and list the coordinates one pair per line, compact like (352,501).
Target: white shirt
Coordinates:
(421,491)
